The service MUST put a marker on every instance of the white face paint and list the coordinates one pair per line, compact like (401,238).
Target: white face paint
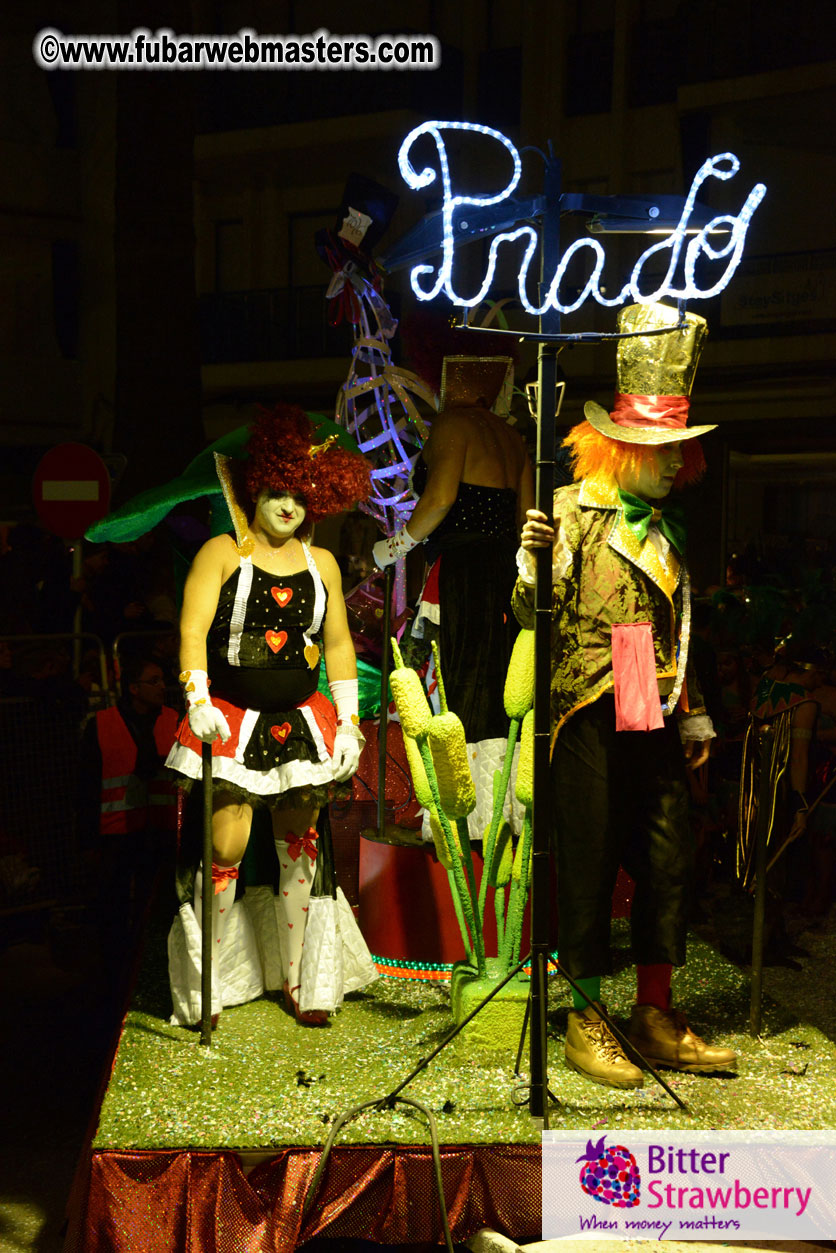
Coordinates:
(655,477)
(278,514)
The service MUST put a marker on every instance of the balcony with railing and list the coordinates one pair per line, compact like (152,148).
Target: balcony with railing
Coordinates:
(272,324)
(269,324)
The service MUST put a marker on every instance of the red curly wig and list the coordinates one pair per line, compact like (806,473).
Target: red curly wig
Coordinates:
(283,456)
(597,456)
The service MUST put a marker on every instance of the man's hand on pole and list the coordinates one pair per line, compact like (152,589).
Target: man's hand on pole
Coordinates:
(537,531)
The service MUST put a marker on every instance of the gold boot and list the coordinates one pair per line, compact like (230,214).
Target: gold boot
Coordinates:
(665,1039)
(593,1051)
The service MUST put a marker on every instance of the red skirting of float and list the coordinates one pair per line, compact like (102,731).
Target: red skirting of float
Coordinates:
(218,1201)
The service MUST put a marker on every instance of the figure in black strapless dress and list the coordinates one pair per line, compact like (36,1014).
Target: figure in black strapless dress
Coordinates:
(466,606)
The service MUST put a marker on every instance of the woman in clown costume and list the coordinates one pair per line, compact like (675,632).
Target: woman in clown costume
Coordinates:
(260,612)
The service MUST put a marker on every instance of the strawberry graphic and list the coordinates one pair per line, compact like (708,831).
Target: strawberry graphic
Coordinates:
(610,1175)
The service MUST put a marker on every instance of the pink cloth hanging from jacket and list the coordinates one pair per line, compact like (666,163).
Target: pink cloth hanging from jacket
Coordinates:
(637,703)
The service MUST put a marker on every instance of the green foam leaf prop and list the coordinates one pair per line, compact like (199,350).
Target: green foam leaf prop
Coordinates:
(142,513)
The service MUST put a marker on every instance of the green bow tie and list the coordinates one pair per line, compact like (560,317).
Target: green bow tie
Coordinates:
(638,515)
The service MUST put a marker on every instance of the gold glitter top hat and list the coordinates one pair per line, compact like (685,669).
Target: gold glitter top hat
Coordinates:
(655,373)
(470,381)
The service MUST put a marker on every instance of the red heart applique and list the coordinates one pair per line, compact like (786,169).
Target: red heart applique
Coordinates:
(282,595)
(275,639)
(281,733)
(284,893)
(290,924)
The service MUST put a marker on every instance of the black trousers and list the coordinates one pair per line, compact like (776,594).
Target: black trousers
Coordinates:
(620,799)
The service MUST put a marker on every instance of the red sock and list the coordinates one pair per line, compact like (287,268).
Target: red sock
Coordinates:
(653,985)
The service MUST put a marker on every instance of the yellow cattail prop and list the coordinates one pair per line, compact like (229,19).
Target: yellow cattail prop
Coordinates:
(518,697)
(521,869)
(452,769)
(501,862)
(525,767)
(448,745)
(416,719)
(520,879)
(442,848)
(520,858)
(519,681)
(420,782)
(410,698)
(424,796)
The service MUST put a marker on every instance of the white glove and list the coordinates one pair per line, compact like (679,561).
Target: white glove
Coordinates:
(206,722)
(349,740)
(347,750)
(387,551)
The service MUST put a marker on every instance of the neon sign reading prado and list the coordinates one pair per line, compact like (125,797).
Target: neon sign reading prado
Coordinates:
(723,167)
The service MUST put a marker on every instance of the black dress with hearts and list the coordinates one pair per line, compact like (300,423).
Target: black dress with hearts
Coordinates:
(263,657)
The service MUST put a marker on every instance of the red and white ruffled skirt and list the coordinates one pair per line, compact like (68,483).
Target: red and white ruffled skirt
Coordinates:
(269,757)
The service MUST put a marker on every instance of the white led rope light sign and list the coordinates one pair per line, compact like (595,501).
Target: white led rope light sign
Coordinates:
(722,167)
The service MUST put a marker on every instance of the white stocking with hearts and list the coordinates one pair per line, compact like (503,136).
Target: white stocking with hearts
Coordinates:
(223,898)
(297,864)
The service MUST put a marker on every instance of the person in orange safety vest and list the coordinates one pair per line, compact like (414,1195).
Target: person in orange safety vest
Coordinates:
(131,799)
(127,806)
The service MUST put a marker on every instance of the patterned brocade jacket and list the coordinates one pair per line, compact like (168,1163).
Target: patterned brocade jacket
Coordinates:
(604,575)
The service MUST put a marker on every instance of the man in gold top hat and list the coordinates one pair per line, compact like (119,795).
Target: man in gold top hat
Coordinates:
(624,700)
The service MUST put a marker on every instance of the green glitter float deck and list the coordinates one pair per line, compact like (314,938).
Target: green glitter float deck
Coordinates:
(267,1082)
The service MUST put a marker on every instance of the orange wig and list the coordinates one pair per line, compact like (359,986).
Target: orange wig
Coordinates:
(596,456)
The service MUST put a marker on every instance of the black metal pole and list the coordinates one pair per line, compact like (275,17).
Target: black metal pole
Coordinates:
(542,807)
(206,902)
(385,659)
(761,831)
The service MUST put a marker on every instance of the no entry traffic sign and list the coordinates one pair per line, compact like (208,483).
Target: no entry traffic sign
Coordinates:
(71,489)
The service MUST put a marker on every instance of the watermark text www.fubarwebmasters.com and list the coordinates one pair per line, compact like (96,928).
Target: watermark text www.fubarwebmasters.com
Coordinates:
(163,49)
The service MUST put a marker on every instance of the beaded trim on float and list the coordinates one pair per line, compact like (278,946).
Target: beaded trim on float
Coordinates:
(396,968)
(393,968)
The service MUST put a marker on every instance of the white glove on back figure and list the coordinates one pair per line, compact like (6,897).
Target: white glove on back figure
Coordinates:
(387,551)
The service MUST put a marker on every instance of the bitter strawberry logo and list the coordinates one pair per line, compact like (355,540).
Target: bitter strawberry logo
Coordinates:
(610,1175)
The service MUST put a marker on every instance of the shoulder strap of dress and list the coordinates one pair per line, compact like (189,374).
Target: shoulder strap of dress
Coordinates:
(239,609)
(319,592)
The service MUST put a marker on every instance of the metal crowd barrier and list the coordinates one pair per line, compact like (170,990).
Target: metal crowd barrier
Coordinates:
(40,743)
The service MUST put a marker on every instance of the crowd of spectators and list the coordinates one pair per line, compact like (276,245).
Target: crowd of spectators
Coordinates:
(123,602)
(761,629)
(52,686)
